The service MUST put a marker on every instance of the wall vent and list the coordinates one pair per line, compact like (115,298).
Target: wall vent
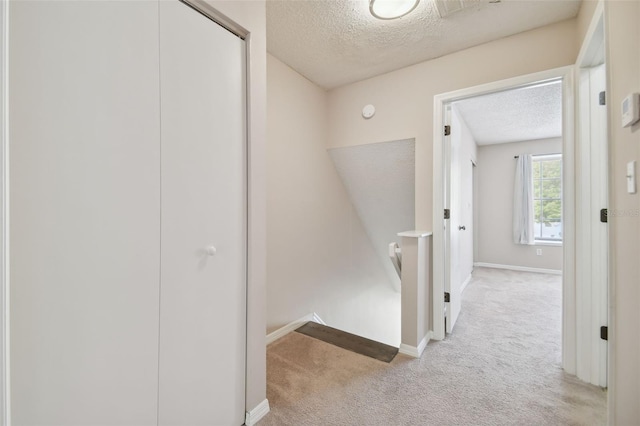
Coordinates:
(449,7)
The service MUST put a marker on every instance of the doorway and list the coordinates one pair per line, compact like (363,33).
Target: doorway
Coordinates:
(571,352)
(494,130)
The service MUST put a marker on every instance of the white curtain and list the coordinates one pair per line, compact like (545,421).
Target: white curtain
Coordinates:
(523,202)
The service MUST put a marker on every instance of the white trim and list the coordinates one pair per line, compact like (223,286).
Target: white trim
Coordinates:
(593,357)
(438,211)
(316,318)
(598,33)
(283,331)
(592,37)
(569,324)
(439,102)
(547,243)
(412,350)
(466,282)
(5,406)
(518,268)
(253,416)
(218,17)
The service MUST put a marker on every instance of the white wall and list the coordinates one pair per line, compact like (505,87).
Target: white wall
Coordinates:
(459,129)
(404,98)
(468,152)
(623,63)
(319,256)
(379,179)
(85,163)
(495,173)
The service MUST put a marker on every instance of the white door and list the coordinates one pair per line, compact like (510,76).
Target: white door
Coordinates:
(454,225)
(462,194)
(466,213)
(599,251)
(592,236)
(85,220)
(203,221)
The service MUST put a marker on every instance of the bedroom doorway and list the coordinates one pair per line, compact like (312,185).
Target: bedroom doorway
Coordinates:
(572,307)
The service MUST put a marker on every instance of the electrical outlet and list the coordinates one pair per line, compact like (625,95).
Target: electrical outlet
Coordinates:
(539,252)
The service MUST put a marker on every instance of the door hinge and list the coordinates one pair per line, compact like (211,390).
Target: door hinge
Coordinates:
(602,98)
(447,297)
(604,216)
(604,332)
(447,214)
(447,130)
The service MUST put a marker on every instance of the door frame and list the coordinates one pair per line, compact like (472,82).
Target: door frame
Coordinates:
(5,406)
(205,9)
(216,18)
(593,52)
(230,15)
(568,145)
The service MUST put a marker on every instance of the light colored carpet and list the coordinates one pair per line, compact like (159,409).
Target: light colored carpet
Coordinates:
(500,366)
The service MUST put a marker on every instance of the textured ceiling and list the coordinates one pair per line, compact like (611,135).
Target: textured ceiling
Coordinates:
(337,42)
(522,114)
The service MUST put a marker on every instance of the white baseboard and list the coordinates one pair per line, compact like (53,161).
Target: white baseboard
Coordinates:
(317,319)
(282,331)
(412,350)
(252,417)
(518,268)
(465,283)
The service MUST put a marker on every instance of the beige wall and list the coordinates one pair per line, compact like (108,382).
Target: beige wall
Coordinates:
(495,177)
(319,256)
(252,16)
(404,98)
(623,61)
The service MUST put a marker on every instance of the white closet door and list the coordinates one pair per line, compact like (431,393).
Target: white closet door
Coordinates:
(203,275)
(85,197)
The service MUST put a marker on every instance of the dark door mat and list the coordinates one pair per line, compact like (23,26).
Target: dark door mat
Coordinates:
(349,341)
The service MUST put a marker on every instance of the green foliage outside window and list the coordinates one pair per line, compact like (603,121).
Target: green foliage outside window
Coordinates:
(547,192)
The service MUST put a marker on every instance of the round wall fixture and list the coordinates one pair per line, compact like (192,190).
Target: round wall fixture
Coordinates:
(368,111)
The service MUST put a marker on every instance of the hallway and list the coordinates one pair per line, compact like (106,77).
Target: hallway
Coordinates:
(501,365)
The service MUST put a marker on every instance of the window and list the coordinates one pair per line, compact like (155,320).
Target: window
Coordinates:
(547,197)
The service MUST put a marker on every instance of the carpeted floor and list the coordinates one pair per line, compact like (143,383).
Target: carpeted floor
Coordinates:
(500,366)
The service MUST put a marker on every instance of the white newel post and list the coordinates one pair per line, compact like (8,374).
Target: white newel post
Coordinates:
(416,278)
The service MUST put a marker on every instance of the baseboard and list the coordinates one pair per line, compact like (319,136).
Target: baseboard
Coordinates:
(252,417)
(317,319)
(518,268)
(412,350)
(465,283)
(282,331)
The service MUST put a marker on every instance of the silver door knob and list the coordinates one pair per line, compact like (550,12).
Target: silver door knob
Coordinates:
(211,250)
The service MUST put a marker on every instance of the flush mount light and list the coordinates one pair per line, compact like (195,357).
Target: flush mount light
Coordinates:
(391,9)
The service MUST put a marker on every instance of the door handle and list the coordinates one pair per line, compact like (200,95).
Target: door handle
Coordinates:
(461,228)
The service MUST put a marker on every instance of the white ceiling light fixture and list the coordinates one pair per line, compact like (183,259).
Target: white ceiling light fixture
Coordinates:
(391,9)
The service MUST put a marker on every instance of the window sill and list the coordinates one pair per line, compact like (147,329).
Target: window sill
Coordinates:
(548,243)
